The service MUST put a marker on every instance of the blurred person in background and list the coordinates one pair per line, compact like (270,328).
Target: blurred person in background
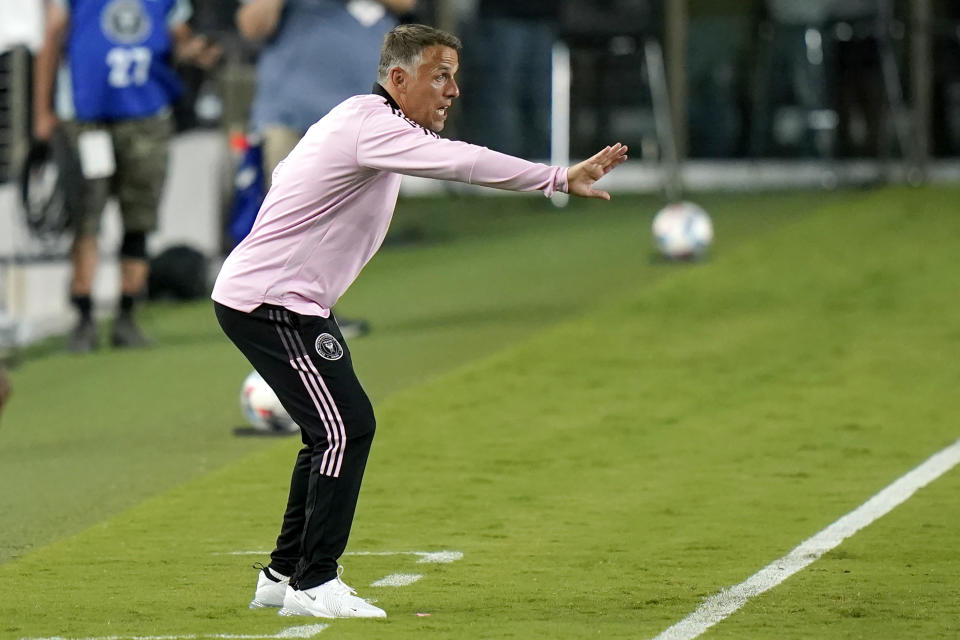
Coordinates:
(315,55)
(112,98)
(507,98)
(323,219)
(822,57)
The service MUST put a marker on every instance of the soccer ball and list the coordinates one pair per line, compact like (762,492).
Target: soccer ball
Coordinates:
(262,408)
(682,230)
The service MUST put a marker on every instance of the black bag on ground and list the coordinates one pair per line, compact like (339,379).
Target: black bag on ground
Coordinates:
(178,273)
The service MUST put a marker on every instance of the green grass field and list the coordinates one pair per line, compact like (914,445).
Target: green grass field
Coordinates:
(607,438)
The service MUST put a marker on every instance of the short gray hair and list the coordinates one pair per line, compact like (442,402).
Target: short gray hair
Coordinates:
(404,44)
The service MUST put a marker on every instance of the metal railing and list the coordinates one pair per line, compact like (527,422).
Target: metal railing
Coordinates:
(14,111)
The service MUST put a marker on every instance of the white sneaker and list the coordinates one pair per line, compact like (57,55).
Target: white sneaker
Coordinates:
(332,599)
(271,587)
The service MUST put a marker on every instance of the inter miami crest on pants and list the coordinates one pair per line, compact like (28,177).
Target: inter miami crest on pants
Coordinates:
(328,347)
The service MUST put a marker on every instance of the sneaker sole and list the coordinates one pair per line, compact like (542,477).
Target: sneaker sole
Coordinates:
(256,604)
(293,612)
(296,612)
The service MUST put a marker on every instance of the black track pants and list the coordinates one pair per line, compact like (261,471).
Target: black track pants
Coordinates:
(305,361)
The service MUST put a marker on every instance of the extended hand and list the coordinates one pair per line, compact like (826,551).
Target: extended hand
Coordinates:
(581,177)
(199,51)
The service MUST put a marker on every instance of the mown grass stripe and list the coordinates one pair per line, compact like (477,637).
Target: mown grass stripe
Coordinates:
(718,607)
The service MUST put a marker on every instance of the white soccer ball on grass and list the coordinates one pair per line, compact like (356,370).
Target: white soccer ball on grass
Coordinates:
(262,408)
(682,231)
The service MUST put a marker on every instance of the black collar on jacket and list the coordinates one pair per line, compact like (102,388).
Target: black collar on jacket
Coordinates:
(380,91)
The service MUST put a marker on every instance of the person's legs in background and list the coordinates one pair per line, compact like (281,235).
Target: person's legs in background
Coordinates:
(142,154)
(134,270)
(84,260)
(85,201)
(536,78)
(506,98)
(491,93)
(278,142)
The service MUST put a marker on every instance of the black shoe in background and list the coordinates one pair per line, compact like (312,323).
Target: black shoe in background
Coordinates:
(83,338)
(126,333)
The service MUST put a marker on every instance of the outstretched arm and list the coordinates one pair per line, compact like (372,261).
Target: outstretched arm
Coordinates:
(582,176)
(258,19)
(191,48)
(399,7)
(388,141)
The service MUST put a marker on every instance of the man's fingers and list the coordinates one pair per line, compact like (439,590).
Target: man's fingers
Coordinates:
(585,174)
(599,156)
(617,152)
(617,161)
(611,156)
(613,163)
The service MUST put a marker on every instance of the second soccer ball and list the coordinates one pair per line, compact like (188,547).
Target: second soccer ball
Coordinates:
(682,230)
(262,408)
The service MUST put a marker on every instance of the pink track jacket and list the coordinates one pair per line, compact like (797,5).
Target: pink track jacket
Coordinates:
(332,199)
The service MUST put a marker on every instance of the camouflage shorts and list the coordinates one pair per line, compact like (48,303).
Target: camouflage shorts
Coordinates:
(140,149)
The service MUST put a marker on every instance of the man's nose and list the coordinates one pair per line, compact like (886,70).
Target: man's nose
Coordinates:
(452,89)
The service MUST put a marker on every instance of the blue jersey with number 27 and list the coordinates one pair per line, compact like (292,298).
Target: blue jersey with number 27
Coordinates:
(119,57)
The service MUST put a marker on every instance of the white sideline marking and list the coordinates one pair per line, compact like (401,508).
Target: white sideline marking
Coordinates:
(438,557)
(719,606)
(305,631)
(397,580)
(392,580)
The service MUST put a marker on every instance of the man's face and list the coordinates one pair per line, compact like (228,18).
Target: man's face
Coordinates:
(426,98)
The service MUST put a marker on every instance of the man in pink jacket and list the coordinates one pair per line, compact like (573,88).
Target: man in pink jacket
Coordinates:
(326,214)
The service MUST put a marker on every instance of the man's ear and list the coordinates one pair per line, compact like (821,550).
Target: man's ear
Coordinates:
(398,77)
